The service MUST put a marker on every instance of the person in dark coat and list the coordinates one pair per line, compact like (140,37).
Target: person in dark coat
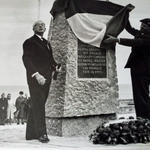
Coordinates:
(3,109)
(20,105)
(39,63)
(139,64)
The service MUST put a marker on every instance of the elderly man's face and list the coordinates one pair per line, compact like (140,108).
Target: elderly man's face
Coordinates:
(39,27)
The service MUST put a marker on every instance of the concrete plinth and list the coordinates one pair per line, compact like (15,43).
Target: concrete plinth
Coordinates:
(76,126)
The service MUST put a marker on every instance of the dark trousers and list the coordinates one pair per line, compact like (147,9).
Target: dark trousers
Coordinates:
(36,125)
(140,87)
(20,118)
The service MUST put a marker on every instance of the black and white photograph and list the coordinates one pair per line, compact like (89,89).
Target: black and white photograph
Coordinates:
(75,74)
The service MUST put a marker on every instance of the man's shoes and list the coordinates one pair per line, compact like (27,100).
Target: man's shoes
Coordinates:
(44,139)
(31,138)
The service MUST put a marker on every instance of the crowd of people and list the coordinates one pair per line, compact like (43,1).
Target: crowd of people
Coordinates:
(8,115)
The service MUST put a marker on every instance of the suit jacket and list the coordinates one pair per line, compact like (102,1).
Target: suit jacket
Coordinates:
(140,53)
(38,57)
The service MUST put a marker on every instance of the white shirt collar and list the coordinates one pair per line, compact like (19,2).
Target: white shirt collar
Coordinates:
(39,37)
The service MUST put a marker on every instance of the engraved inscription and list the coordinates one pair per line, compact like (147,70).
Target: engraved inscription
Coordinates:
(91,61)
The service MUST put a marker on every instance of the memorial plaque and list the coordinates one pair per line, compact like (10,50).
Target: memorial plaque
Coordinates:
(91,61)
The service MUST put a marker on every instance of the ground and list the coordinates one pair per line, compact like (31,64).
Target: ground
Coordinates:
(13,137)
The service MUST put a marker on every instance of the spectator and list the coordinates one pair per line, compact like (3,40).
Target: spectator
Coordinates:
(3,109)
(9,111)
(20,104)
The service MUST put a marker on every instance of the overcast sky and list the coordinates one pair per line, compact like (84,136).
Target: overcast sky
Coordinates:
(16,19)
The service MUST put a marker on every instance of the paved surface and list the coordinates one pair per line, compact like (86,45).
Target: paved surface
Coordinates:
(12,137)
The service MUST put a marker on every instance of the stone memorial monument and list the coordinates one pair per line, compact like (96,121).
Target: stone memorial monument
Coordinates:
(85,93)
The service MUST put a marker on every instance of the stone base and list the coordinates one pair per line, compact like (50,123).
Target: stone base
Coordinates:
(76,126)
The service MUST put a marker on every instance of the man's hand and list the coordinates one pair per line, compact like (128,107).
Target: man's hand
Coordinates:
(110,40)
(58,68)
(40,79)
(130,7)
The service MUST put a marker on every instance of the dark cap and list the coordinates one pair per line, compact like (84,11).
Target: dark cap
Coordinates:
(146,21)
(21,92)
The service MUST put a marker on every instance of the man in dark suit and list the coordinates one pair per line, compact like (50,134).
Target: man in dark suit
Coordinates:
(39,64)
(139,63)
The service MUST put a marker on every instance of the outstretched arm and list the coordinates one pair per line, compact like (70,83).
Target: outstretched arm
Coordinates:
(128,42)
(133,42)
(131,30)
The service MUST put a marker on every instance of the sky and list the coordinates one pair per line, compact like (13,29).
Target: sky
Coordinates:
(16,19)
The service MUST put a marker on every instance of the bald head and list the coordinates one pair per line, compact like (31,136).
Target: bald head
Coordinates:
(39,27)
